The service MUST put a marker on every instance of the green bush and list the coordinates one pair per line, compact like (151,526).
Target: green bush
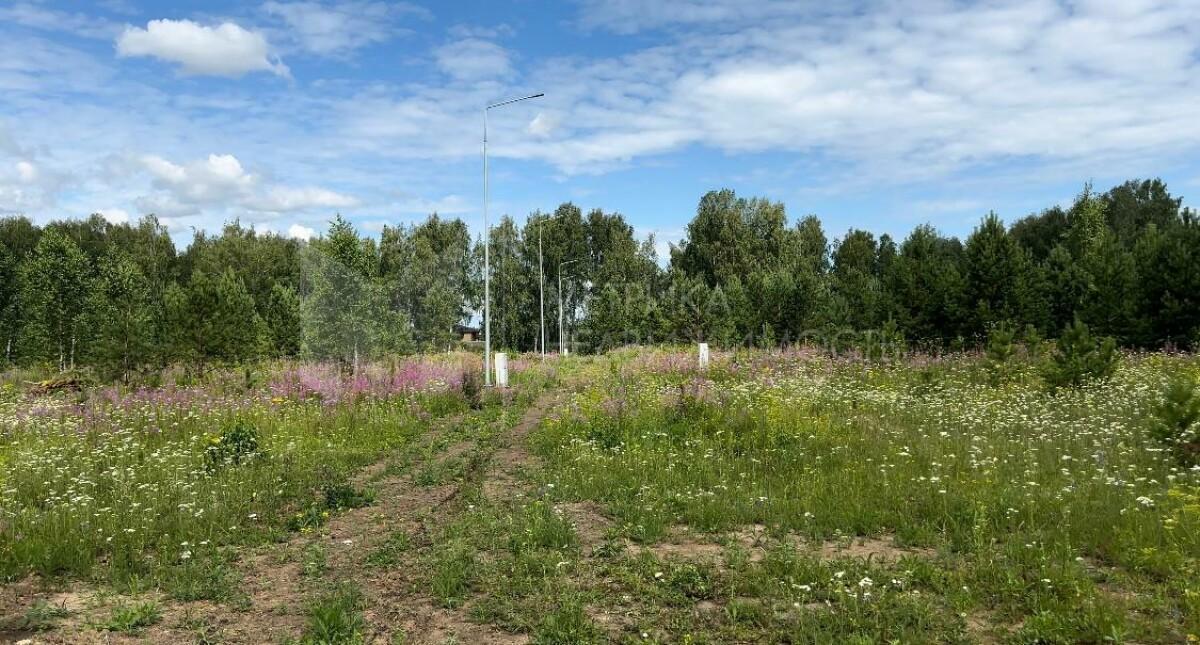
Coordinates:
(472,388)
(1176,422)
(1079,358)
(235,445)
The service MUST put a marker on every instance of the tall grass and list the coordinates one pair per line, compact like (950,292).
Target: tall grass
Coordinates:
(1028,492)
(122,482)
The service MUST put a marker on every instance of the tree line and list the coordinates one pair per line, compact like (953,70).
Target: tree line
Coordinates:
(124,299)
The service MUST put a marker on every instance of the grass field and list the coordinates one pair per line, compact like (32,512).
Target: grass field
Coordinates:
(774,497)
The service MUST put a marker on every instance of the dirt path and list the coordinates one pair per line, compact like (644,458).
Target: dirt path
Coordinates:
(277,587)
(395,601)
(414,612)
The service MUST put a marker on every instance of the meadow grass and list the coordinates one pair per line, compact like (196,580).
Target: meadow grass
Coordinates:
(774,497)
(147,482)
(1055,512)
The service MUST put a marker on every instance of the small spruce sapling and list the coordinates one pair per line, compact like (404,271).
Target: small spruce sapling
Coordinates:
(1079,357)
(1176,421)
(999,352)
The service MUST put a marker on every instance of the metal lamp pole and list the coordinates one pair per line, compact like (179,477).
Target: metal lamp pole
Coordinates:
(541,295)
(562,345)
(542,284)
(487,244)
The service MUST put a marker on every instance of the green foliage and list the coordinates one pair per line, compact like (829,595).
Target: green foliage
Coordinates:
(346,315)
(1079,358)
(237,444)
(389,554)
(200,579)
(999,276)
(999,351)
(1032,340)
(314,561)
(213,319)
(122,317)
(335,497)
(54,284)
(340,497)
(281,314)
(537,526)
(335,617)
(132,618)
(10,316)
(1176,421)
(121,298)
(472,388)
(41,615)
(453,566)
(566,624)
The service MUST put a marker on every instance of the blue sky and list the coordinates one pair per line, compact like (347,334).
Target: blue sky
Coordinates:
(872,115)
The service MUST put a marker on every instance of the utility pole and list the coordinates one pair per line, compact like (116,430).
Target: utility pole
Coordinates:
(562,343)
(487,245)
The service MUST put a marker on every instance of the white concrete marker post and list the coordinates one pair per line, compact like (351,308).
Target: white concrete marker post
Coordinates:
(501,369)
(703,356)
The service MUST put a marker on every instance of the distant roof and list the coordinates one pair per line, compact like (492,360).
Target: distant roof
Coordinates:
(463,329)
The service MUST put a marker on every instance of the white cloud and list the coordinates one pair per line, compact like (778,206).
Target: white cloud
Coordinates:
(336,28)
(27,173)
(897,91)
(281,199)
(114,215)
(26,184)
(220,181)
(472,59)
(885,92)
(447,205)
(542,125)
(298,232)
(224,50)
(215,179)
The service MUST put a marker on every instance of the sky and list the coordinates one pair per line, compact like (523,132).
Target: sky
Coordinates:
(877,115)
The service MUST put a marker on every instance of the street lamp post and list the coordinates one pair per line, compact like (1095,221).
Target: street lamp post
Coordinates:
(562,344)
(541,295)
(542,285)
(487,244)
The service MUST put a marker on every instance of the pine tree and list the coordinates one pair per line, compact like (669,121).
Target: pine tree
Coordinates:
(927,286)
(214,320)
(856,280)
(281,314)
(998,277)
(1079,358)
